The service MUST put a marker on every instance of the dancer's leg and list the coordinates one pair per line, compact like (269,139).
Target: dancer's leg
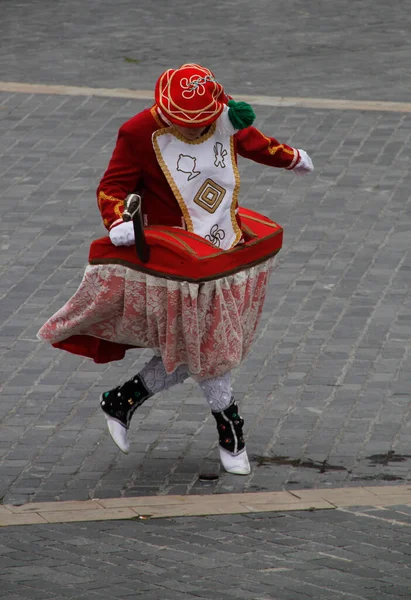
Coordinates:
(233,454)
(120,403)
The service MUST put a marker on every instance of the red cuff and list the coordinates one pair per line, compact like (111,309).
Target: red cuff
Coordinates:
(115,223)
(295,160)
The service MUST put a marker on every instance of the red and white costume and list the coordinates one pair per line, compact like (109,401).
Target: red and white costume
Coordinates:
(134,166)
(200,336)
(198,300)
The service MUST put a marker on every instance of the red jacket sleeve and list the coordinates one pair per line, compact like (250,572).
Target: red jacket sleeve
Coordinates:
(253,144)
(120,179)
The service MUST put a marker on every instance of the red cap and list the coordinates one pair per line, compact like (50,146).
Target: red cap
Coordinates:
(190,96)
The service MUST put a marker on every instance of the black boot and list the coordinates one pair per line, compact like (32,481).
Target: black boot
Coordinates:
(119,405)
(233,454)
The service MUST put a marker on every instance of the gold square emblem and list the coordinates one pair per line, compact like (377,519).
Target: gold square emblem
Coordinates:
(209,196)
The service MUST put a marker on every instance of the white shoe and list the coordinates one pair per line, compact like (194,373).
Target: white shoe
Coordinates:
(238,464)
(118,433)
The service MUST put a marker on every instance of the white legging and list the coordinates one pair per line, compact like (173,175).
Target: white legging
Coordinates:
(217,391)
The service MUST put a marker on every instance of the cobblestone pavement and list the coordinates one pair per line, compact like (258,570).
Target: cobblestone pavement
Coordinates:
(354,554)
(316,48)
(324,391)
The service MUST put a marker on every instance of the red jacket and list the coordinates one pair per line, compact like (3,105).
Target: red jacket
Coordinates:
(134,168)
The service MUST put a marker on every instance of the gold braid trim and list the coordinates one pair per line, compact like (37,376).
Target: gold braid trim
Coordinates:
(174,187)
(274,149)
(119,207)
(155,116)
(234,202)
(203,137)
(170,178)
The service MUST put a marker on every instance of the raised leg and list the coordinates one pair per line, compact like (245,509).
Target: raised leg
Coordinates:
(120,403)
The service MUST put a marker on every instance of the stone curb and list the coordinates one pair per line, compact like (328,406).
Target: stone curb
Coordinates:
(155,507)
(277,101)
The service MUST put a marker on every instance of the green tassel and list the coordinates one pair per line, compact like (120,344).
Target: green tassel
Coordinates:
(240,114)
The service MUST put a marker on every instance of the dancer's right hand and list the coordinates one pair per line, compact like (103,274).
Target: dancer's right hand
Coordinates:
(122,234)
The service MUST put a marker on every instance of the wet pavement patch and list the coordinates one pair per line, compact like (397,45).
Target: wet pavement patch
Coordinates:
(389,457)
(377,477)
(321,466)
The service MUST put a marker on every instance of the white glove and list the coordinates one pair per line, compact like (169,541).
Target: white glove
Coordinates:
(122,234)
(304,165)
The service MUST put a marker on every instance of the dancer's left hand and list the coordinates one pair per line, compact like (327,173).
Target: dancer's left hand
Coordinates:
(304,165)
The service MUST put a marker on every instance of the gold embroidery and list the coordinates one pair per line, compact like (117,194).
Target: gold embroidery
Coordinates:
(268,223)
(180,242)
(119,207)
(236,191)
(176,191)
(210,195)
(184,244)
(200,140)
(248,231)
(274,149)
(144,269)
(155,116)
(104,196)
(184,115)
(169,177)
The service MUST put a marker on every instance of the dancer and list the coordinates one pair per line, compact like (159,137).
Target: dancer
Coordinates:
(181,156)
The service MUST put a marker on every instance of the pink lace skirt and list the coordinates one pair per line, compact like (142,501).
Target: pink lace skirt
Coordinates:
(207,326)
